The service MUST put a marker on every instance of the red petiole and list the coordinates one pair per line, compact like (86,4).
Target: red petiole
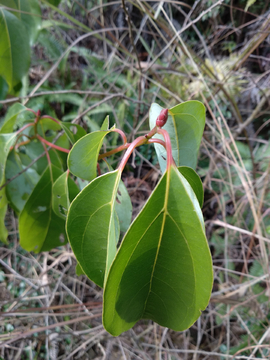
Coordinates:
(51,144)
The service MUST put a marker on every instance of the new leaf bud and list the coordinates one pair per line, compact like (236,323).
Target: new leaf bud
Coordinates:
(162,118)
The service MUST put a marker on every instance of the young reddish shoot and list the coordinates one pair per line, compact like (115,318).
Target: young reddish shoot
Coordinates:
(162,118)
(123,135)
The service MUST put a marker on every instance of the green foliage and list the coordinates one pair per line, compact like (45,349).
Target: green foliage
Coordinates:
(82,159)
(39,227)
(164,247)
(19,24)
(159,251)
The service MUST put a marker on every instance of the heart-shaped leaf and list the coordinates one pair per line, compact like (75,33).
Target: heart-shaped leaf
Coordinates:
(40,228)
(163,269)
(92,226)
(185,126)
(83,157)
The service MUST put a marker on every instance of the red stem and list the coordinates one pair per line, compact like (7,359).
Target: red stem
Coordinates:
(52,145)
(21,143)
(114,151)
(123,135)
(25,127)
(151,133)
(165,134)
(32,111)
(137,142)
(46,151)
(157,141)
(98,169)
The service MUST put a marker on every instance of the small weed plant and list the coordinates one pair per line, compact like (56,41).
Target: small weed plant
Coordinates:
(159,266)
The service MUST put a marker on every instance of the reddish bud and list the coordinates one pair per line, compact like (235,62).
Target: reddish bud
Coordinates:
(162,118)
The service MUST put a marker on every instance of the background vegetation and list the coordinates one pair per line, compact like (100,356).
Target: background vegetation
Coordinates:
(94,58)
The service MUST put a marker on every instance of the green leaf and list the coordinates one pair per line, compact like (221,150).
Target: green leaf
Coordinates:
(34,149)
(105,124)
(249,3)
(79,270)
(3,89)
(73,131)
(92,226)
(40,228)
(3,230)
(13,114)
(83,157)
(54,2)
(123,207)
(19,189)
(194,181)
(31,17)
(6,141)
(14,49)
(64,191)
(185,126)
(28,11)
(163,268)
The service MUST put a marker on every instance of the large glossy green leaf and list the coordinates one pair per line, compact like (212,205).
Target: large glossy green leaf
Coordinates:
(64,191)
(185,126)
(19,189)
(40,228)
(83,157)
(163,268)
(14,48)
(92,226)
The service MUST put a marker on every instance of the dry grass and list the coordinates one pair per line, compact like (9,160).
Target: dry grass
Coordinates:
(166,52)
